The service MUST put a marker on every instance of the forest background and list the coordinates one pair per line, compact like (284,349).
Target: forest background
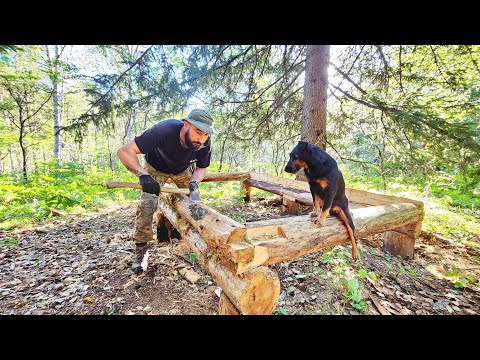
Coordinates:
(399,119)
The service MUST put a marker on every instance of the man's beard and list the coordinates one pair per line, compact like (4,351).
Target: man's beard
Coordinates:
(192,145)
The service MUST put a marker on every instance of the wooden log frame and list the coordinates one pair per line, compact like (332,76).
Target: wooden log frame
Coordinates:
(284,186)
(242,252)
(254,292)
(397,241)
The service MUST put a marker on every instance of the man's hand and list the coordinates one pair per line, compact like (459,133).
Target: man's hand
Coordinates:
(194,191)
(149,185)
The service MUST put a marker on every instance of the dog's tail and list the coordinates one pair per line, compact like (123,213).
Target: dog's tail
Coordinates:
(346,216)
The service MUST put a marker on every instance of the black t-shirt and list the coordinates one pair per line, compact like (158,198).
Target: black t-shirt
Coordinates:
(162,149)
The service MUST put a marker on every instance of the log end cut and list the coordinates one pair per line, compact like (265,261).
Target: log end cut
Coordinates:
(261,294)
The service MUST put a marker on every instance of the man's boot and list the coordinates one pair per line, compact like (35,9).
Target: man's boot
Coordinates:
(140,252)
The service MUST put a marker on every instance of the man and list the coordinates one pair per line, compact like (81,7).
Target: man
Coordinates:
(173,149)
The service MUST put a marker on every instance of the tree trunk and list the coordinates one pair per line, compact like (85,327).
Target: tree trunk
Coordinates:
(222,152)
(22,145)
(314,116)
(57,122)
(216,229)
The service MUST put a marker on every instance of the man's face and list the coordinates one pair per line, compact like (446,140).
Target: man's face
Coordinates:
(195,138)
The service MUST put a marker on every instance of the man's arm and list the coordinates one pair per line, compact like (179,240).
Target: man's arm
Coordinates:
(128,155)
(198,174)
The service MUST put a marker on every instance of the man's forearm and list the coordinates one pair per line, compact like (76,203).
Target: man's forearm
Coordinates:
(130,161)
(198,174)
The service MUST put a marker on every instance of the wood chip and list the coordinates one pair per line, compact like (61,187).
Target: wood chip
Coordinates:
(133,281)
(190,275)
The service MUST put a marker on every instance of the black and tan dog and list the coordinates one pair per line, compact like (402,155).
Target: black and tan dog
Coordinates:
(326,185)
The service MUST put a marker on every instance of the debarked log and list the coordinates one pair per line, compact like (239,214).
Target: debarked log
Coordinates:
(284,186)
(215,228)
(254,292)
(301,236)
(223,176)
(299,196)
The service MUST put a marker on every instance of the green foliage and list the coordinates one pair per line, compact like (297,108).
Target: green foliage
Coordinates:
(280,311)
(354,294)
(9,242)
(460,280)
(72,188)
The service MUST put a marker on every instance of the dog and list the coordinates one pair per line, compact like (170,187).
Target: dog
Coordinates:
(326,185)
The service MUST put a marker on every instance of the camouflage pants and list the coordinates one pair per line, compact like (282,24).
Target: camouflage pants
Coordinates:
(148,202)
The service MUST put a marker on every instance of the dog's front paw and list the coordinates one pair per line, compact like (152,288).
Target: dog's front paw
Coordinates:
(319,221)
(313,214)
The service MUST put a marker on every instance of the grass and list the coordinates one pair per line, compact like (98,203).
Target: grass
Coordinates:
(71,189)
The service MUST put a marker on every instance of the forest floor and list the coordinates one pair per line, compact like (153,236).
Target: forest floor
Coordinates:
(81,265)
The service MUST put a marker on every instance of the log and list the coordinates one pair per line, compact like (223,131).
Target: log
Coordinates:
(303,237)
(373,198)
(247,190)
(281,181)
(225,306)
(215,228)
(166,188)
(223,176)
(301,197)
(255,292)
(226,176)
(291,206)
(412,230)
(354,195)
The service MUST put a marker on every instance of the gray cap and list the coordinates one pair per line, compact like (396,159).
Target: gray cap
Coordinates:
(202,120)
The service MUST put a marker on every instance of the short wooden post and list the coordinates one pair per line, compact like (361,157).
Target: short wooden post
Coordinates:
(291,206)
(247,190)
(226,307)
(401,241)
(397,243)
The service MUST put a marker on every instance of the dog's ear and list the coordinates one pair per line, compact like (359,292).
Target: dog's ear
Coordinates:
(302,145)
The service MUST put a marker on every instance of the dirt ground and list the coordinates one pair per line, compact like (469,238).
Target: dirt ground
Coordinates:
(81,266)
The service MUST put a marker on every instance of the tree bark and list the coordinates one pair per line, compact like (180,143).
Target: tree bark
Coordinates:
(314,116)
(57,122)
(22,145)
